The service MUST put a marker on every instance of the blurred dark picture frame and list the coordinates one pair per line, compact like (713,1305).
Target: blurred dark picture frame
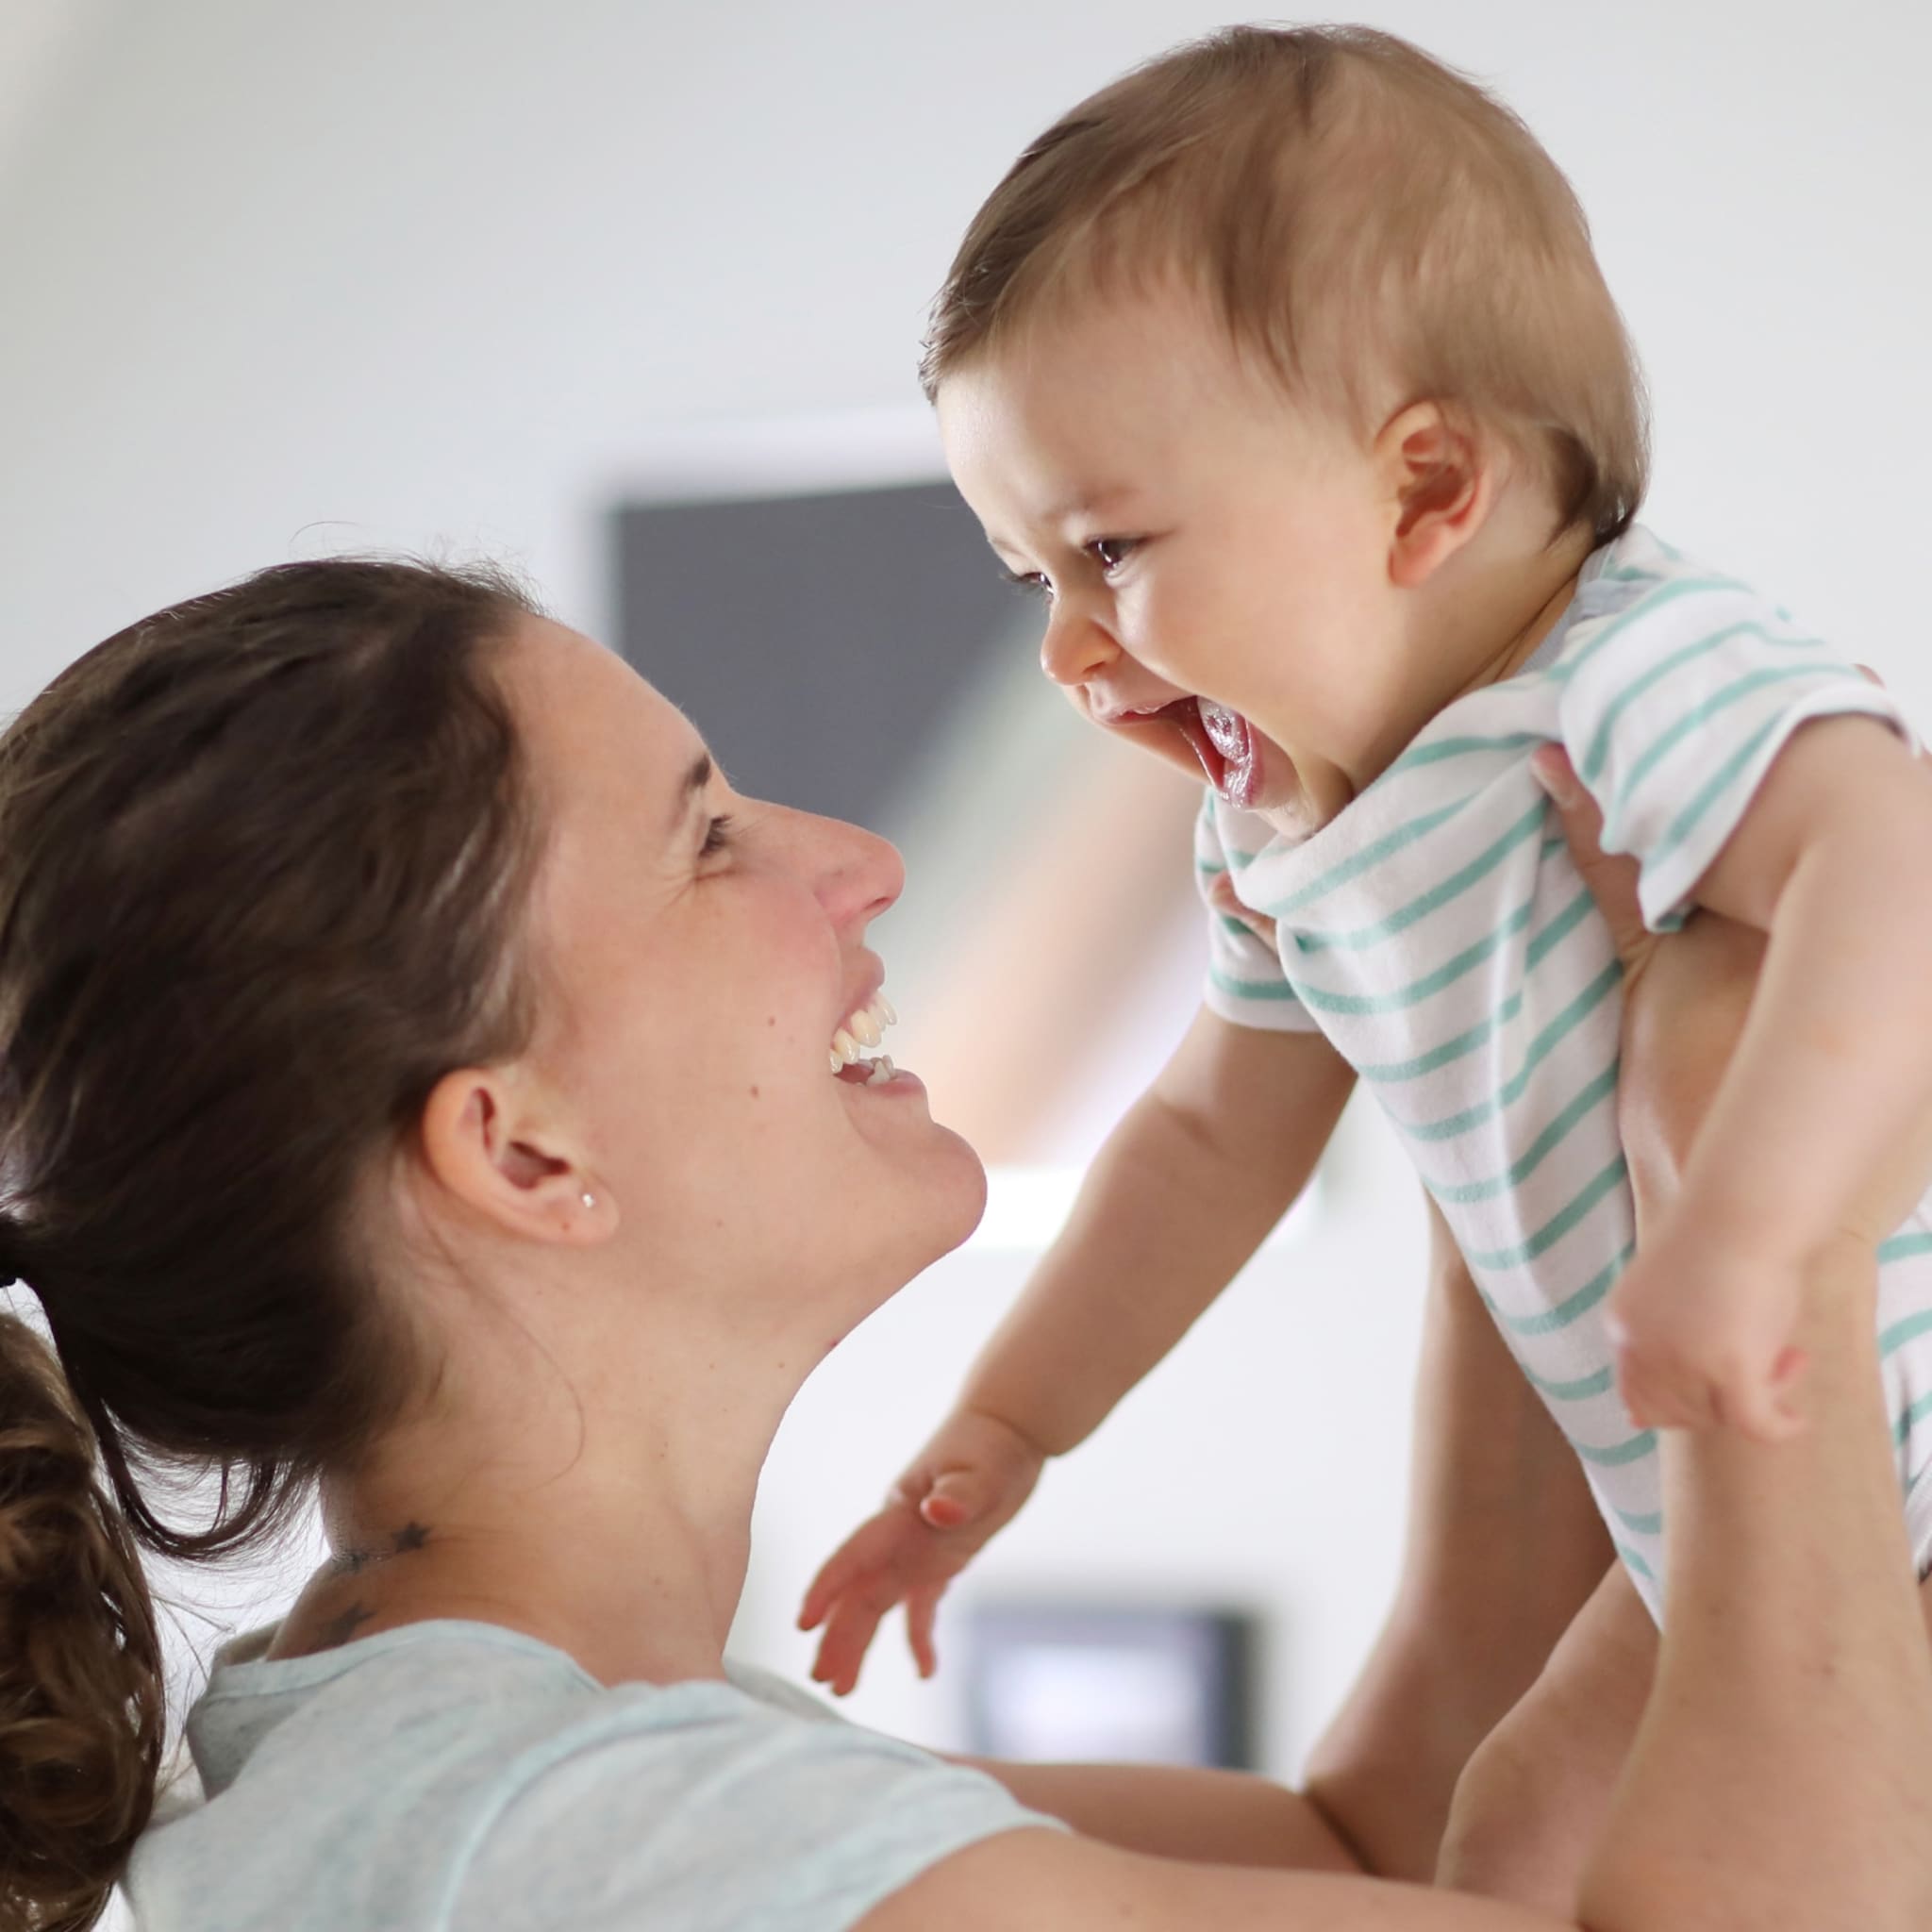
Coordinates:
(1090,1680)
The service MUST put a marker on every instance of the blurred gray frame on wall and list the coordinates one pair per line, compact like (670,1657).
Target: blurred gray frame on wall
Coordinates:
(820,642)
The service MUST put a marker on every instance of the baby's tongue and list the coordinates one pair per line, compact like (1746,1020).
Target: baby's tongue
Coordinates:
(1233,736)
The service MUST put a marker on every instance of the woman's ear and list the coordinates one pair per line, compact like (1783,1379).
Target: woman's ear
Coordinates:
(486,1144)
(1437,479)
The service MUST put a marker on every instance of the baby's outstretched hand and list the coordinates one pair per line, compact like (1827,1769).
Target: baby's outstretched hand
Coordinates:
(965,1485)
(1703,1331)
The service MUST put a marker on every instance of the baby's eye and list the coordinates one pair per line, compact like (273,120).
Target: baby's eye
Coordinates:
(717,836)
(1032,581)
(1110,553)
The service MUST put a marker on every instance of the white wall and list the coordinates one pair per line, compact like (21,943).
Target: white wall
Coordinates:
(277,278)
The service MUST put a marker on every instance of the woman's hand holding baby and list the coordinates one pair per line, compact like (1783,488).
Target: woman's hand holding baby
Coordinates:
(1718,1354)
(1704,1315)
(966,1485)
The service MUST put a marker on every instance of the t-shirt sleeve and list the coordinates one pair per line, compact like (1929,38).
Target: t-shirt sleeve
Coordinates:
(739,1817)
(1245,984)
(1675,710)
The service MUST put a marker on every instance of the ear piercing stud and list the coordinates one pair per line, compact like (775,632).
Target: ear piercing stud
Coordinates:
(590,1199)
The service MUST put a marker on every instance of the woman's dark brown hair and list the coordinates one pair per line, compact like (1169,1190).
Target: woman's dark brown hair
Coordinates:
(261,858)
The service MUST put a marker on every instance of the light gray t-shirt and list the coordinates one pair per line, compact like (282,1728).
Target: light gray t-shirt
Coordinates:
(453,1776)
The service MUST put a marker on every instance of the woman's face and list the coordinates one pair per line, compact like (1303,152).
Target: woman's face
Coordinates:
(694,953)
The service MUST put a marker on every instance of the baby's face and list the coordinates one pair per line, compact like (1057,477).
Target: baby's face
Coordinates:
(1214,562)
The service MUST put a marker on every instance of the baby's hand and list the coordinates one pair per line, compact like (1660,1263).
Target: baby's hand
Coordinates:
(1704,1330)
(967,1483)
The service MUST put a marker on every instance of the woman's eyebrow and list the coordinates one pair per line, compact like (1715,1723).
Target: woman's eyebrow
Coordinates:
(695,780)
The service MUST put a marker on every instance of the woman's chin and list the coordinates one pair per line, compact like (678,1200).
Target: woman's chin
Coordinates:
(939,1206)
(917,1220)
(953,1195)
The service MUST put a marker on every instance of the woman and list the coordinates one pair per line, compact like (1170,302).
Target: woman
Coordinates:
(416,1078)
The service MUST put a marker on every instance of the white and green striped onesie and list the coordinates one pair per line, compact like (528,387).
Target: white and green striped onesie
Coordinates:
(1437,933)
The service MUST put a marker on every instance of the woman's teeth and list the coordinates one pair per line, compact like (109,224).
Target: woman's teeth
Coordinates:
(861,1031)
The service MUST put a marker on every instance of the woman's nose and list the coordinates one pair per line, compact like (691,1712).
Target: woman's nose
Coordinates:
(1075,648)
(856,874)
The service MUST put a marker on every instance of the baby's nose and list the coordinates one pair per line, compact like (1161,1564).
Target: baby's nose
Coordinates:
(1074,649)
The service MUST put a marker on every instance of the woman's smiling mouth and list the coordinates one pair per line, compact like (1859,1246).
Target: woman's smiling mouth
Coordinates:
(853,1041)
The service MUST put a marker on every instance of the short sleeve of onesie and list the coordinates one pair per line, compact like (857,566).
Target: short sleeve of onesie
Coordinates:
(720,1821)
(1245,984)
(1675,705)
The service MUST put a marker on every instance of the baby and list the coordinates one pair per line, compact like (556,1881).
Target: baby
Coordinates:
(1282,369)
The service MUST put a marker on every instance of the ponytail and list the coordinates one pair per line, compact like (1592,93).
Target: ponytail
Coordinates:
(82,1693)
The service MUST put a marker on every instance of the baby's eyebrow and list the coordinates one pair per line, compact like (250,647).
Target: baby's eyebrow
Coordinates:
(1089,502)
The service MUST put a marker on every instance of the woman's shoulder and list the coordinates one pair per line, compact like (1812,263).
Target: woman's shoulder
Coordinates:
(461,1773)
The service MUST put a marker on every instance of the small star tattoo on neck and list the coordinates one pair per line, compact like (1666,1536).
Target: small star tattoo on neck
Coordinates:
(412,1536)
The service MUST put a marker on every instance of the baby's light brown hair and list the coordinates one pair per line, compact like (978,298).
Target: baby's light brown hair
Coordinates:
(1373,225)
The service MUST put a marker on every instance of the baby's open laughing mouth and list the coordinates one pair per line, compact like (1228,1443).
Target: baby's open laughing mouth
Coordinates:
(1223,741)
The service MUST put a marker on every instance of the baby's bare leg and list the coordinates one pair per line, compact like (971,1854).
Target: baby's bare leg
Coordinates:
(1531,1805)
(1790,1736)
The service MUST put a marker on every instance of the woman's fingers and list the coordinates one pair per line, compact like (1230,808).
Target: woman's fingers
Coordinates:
(1222,896)
(1612,881)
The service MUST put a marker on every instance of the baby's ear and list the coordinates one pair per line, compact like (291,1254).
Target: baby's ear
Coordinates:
(1437,481)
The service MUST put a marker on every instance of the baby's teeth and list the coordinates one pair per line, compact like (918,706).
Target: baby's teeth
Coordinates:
(845,1046)
(883,1007)
(866,1028)
(836,1061)
(882,1070)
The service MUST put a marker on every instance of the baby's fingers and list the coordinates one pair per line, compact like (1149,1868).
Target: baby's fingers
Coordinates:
(849,1631)
(1766,1407)
(869,1547)
(954,1500)
(1662,1395)
(824,1590)
(921,1609)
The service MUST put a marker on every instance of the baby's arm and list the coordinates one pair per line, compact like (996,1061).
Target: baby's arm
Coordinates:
(1831,1085)
(1185,1190)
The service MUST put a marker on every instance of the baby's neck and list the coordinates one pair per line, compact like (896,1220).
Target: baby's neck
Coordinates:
(1484,621)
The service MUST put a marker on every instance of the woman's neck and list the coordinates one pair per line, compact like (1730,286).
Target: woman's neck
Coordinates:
(619,1533)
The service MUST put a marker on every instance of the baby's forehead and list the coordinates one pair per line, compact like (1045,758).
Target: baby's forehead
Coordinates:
(1154,374)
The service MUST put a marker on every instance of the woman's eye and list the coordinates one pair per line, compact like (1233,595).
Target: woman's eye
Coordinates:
(1110,553)
(717,837)
(1032,581)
